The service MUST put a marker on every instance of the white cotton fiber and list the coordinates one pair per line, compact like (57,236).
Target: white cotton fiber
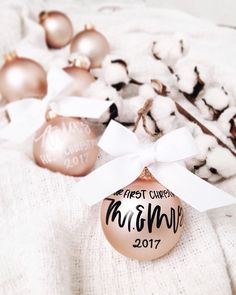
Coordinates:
(114,72)
(224,120)
(130,108)
(169,48)
(163,112)
(99,90)
(205,144)
(213,100)
(223,161)
(146,91)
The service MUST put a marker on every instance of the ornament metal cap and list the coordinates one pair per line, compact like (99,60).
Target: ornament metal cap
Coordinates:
(146,175)
(89,26)
(80,61)
(42,16)
(50,114)
(9,56)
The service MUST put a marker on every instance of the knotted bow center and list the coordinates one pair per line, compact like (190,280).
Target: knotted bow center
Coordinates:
(148,155)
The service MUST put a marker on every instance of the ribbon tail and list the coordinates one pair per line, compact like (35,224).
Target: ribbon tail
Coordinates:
(108,179)
(190,188)
(59,84)
(81,107)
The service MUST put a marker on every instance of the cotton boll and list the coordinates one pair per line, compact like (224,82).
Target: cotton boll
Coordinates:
(206,174)
(213,102)
(203,172)
(187,77)
(114,72)
(222,161)
(226,120)
(205,144)
(169,48)
(146,91)
(132,105)
(163,111)
(130,108)
(192,77)
(146,68)
(141,133)
(162,107)
(99,90)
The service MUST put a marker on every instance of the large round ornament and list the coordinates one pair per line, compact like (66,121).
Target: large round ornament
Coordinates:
(91,43)
(66,145)
(58,28)
(22,78)
(142,221)
(79,71)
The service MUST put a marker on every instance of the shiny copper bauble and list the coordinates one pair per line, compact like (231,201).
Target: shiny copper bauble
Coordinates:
(142,221)
(82,77)
(92,44)
(66,145)
(22,78)
(58,28)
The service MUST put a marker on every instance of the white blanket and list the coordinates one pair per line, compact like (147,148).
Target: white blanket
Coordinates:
(51,243)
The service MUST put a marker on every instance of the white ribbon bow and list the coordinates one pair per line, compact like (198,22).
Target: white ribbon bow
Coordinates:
(160,158)
(28,115)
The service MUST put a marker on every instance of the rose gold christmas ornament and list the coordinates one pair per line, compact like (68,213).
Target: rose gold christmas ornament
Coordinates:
(79,70)
(92,44)
(142,221)
(58,28)
(65,145)
(22,78)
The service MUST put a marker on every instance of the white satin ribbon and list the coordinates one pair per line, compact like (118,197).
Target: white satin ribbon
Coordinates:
(161,159)
(27,115)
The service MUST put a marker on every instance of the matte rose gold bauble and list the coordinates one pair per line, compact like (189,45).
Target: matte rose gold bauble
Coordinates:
(81,75)
(66,145)
(92,44)
(22,78)
(142,221)
(58,28)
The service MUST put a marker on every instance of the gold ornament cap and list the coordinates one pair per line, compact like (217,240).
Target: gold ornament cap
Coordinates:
(9,56)
(146,175)
(80,61)
(89,26)
(42,16)
(50,114)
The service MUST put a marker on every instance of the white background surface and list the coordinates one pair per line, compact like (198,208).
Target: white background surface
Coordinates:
(220,11)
